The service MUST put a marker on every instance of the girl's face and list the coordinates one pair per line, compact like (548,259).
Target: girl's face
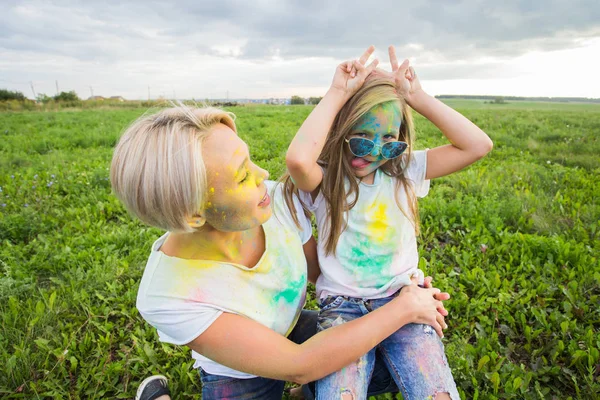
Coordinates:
(237,197)
(380,124)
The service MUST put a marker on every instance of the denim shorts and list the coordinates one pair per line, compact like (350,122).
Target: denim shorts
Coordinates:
(222,387)
(414,356)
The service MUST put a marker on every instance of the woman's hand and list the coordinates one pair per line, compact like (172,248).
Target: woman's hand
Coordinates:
(407,83)
(425,305)
(350,75)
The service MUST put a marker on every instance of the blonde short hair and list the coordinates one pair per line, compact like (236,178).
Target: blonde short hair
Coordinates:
(157,169)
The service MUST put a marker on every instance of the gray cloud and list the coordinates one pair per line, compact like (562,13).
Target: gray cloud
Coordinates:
(448,38)
(294,29)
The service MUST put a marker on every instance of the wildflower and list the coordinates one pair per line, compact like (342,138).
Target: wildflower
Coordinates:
(25,205)
(35,176)
(52,176)
(12,177)
(50,184)
(3,204)
(33,187)
(483,248)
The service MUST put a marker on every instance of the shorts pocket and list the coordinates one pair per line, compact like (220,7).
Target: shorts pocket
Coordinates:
(330,302)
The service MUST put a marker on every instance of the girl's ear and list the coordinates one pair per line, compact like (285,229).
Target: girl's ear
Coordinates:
(196,221)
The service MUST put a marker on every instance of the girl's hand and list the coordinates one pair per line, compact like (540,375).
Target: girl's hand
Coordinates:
(442,296)
(423,306)
(407,83)
(350,75)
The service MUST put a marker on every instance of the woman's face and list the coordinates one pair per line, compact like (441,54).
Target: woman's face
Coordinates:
(381,124)
(237,197)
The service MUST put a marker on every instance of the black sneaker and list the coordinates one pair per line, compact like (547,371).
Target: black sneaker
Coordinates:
(152,388)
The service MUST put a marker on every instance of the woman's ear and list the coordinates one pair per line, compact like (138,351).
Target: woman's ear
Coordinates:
(196,221)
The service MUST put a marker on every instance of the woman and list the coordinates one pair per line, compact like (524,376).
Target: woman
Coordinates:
(228,279)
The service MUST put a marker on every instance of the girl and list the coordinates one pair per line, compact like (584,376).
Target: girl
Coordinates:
(353,163)
(228,280)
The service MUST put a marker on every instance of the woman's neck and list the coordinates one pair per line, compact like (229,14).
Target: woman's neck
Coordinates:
(211,244)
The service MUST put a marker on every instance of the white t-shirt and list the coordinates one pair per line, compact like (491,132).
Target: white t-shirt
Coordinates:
(377,252)
(181,298)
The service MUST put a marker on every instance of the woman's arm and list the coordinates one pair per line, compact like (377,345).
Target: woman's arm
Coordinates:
(305,148)
(468,142)
(246,345)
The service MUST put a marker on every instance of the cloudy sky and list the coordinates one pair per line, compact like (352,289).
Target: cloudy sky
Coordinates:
(260,49)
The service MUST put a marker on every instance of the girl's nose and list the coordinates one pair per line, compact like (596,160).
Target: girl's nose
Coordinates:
(375,151)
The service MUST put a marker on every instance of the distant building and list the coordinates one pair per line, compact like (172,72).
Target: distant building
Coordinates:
(117,98)
(96,98)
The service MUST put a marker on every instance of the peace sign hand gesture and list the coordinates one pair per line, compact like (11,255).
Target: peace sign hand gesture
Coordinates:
(407,83)
(350,75)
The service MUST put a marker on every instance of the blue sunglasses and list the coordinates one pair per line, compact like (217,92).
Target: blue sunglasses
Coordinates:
(361,147)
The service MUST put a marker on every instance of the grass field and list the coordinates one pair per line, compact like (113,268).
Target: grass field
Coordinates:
(514,239)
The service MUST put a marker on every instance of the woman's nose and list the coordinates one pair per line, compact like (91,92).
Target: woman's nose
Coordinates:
(261,176)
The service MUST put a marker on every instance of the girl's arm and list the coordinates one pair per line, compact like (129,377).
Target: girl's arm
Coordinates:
(468,142)
(246,345)
(312,260)
(305,148)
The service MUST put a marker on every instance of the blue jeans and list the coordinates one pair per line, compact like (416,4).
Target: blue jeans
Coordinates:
(222,387)
(414,356)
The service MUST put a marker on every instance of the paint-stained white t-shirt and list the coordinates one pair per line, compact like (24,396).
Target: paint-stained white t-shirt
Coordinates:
(181,298)
(377,252)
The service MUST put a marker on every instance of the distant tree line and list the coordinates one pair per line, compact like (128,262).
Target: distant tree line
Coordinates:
(302,100)
(6,95)
(520,98)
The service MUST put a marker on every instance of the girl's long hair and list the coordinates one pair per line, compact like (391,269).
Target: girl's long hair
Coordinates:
(377,89)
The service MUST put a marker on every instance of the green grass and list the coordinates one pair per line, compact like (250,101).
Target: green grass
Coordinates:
(514,239)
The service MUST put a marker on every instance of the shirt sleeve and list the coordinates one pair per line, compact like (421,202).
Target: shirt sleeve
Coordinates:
(180,323)
(416,172)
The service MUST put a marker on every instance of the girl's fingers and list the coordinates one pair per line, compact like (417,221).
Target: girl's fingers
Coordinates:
(427,282)
(372,66)
(413,74)
(363,59)
(440,320)
(441,309)
(393,58)
(442,296)
(403,68)
(357,68)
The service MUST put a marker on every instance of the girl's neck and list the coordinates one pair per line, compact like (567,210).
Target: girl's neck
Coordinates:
(368,179)
(210,244)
